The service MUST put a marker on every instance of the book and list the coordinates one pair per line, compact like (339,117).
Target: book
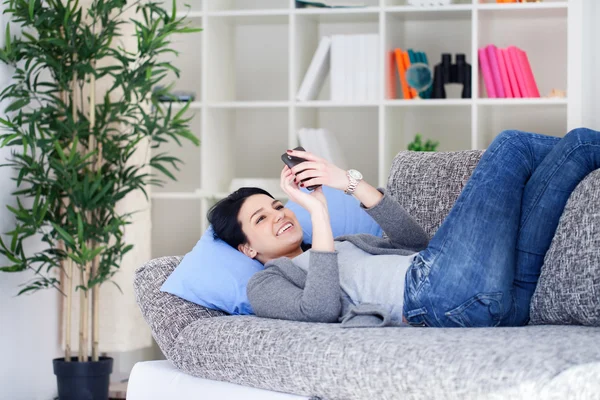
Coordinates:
(486,72)
(513,54)
(412,92)
(316,72)
(391,79)
(337,78)
(532,88)
(504,73)
(323,143)
(362,65)
(401,73)
(372,67)
(494,67)
(512,77)
(349,67)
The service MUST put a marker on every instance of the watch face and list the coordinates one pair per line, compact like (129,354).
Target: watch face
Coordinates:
(355,174)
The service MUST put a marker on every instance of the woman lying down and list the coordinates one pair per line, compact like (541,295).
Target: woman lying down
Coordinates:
(480,268)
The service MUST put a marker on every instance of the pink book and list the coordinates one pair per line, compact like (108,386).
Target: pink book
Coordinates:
(487,73)
(504,73)
(528,73)
(495,68)
(513,54)
(512,77)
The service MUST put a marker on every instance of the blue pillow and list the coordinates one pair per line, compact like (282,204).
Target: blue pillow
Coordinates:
(346,216)
(215,275)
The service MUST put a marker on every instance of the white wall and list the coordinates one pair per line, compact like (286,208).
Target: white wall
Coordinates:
(29,324)
(591,64)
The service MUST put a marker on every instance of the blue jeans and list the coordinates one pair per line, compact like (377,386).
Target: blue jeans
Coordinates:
(481,267)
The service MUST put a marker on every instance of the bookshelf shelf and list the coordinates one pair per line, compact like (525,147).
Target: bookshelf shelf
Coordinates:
(548,5)
(196,105)
(523,102)
(429,103)
(248,63)
(248,104)
(368,14)
(334,104)
(457,11)
(251,17)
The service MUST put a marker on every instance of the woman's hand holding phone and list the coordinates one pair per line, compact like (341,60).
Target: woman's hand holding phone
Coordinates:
(313,202)
(316,204)
(318,171)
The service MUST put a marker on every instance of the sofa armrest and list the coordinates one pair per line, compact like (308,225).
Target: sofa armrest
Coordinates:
(166,314)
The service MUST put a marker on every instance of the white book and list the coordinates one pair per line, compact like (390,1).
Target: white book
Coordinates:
(317,71)
(373,67)
(302,138)
(349,68)
(362,61)
(324,144)
(337,65)
(331,148)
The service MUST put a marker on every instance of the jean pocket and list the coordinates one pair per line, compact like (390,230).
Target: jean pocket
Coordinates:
(416,317)
(481,310)
(416,274)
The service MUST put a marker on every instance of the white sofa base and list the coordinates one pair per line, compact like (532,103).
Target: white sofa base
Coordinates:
(160,380)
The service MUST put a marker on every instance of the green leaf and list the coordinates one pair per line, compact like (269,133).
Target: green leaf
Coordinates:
(7,44)
(17,105)
(64,234)
(79,228)
(163,170)
(60,151)
(14,268)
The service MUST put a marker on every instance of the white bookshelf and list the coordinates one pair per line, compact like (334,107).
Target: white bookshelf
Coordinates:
(249,61)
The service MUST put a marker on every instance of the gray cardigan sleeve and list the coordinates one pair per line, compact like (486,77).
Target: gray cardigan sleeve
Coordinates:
(273,295)
(402,229)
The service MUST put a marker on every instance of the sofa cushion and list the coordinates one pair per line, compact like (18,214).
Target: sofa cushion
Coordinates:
(568,291)
(324,360)
(427,184)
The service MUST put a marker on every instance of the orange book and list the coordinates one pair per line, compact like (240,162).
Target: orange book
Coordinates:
(391,87)
(413,93)
(401,70)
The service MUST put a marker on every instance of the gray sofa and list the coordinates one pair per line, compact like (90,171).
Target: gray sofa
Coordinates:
(322,360)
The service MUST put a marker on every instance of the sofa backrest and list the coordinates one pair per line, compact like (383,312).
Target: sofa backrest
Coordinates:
(427,184)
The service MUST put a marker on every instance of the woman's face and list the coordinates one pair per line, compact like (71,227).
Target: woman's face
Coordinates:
(272,230)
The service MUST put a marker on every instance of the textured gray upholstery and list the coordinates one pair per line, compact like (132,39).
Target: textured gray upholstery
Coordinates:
(568,291)
(533,362)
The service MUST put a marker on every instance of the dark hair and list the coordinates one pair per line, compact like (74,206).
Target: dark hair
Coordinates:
(223,217)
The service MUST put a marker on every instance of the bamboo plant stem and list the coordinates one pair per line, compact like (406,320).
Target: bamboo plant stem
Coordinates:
(95,288)
(68,318)
(83,315)
(68,273)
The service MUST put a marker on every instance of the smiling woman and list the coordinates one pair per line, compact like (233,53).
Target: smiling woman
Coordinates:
(256,224)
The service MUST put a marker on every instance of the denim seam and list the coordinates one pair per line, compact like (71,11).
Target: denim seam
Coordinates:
(543,190)
(478,172)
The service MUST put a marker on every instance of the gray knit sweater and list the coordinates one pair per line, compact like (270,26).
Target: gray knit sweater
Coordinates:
(284,291)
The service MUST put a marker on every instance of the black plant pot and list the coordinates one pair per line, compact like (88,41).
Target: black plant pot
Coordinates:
(83,380)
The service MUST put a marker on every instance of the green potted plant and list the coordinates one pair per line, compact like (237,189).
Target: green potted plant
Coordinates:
(73,144)
(418,145)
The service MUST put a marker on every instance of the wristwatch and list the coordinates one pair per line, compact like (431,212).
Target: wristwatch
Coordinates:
(354,177)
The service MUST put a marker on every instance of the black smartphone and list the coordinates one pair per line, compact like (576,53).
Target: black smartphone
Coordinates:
(292,161)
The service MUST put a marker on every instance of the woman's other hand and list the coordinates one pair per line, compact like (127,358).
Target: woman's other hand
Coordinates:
(312,202)
(318,171)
